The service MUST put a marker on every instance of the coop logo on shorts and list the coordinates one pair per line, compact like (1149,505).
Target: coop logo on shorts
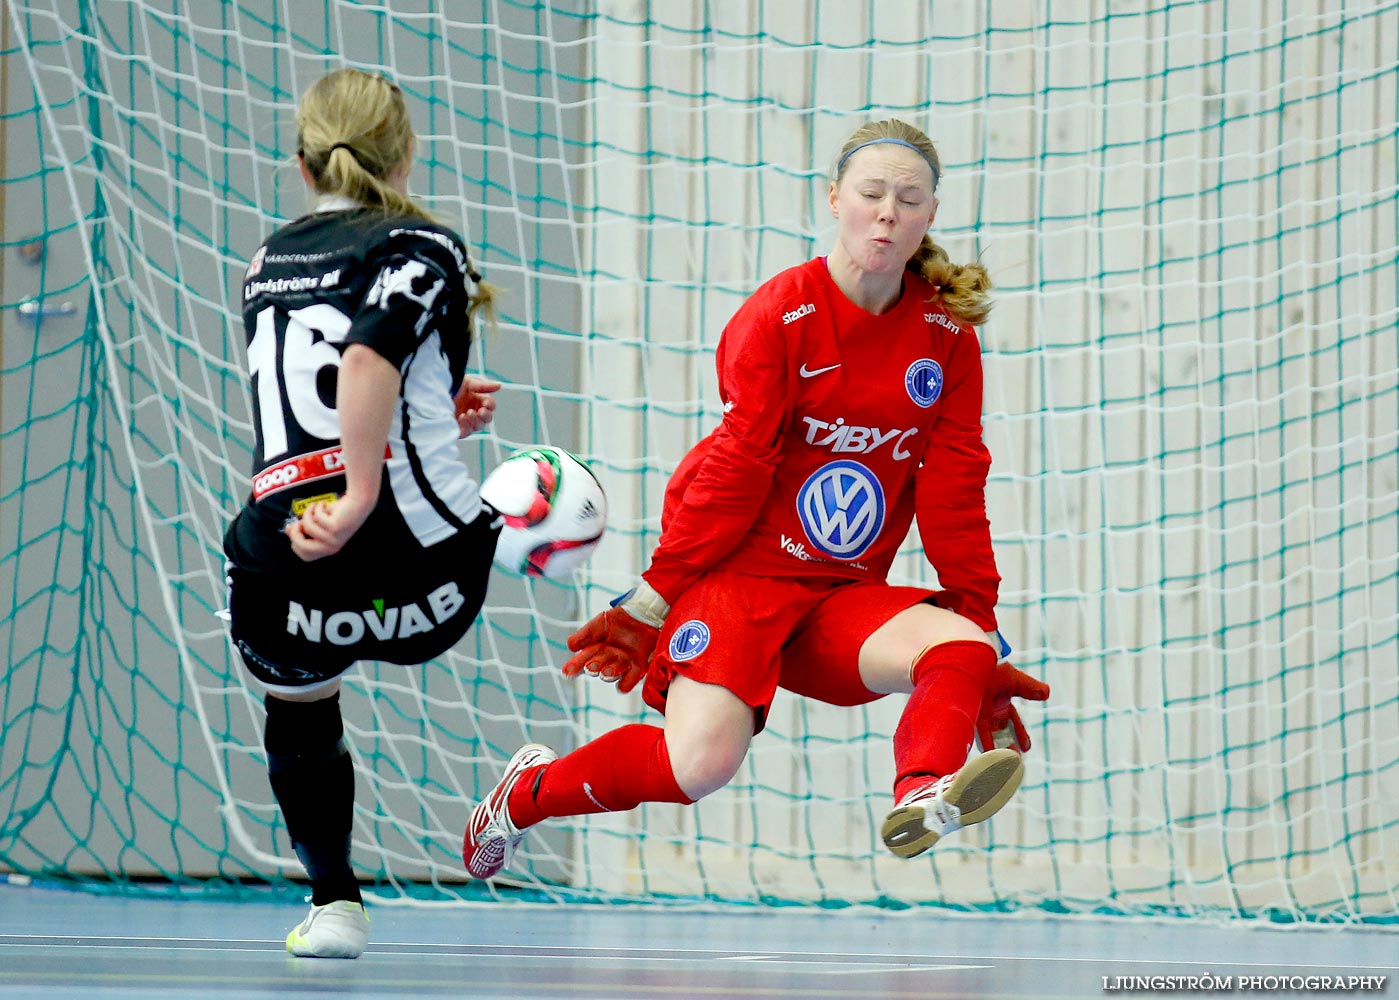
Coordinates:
(689,640)
(923,380)
(841,507)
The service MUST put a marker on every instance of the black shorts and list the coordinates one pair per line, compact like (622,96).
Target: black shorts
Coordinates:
(308,623)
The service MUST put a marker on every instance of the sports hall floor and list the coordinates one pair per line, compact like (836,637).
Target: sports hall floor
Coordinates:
(56,942)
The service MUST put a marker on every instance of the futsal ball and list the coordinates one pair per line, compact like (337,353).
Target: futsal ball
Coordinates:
(553,508)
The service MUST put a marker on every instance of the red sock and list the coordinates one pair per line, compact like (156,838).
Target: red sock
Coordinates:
(617,771)
(937,726)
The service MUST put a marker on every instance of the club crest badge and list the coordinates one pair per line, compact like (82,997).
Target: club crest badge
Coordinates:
(689,640)
(923,380)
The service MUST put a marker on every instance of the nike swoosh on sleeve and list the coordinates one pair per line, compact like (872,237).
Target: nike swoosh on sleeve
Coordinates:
(806,372)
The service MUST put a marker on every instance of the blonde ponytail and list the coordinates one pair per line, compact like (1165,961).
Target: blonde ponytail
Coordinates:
(353,132)
(963,289)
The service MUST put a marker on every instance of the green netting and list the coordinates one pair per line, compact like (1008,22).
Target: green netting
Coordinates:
(1192,400)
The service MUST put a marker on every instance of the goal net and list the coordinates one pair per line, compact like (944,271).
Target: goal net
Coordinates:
(1189,210)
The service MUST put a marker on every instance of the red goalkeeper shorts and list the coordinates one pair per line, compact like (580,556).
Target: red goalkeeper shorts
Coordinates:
(753,635)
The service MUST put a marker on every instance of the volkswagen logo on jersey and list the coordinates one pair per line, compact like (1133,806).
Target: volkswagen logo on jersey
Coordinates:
(689,640)
(924,381)
(841,507)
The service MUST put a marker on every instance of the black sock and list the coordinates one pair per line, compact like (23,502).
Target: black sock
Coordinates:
(314,782)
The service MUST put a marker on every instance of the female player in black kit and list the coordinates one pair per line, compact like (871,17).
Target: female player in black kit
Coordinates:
(365,536)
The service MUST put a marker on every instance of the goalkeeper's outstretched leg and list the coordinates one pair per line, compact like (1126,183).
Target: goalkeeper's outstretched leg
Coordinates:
(867,641)
(704,741)
(937,789)
(971,794)
(715,685)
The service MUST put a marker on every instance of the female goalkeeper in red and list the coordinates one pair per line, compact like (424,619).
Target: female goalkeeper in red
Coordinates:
(852,400)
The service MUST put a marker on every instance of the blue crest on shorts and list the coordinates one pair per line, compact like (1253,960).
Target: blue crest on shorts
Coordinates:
(841,506)
(923,380)
(689,640)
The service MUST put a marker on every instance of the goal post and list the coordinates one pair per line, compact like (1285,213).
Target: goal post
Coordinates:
(1192,403)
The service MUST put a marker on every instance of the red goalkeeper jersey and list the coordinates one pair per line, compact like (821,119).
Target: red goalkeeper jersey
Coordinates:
(839,426)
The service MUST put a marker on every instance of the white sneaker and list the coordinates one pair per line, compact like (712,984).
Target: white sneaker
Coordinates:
(491,838)
(335,930)
(975,793)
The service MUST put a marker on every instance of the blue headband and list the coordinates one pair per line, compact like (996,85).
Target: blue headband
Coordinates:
(897,142)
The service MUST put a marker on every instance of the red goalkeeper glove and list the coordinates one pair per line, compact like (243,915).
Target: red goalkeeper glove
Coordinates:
(617,644)
(999,724)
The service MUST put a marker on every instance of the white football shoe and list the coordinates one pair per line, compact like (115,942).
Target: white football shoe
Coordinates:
(335,930)
(970,795)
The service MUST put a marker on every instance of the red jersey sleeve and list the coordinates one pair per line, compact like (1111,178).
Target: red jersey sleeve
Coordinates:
(950,492)
(714,496)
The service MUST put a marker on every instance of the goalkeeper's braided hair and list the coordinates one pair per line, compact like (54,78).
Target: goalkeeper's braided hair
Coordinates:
(963,289)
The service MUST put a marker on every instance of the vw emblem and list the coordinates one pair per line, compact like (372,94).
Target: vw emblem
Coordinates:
(689,640)
(923,380)
(841,507)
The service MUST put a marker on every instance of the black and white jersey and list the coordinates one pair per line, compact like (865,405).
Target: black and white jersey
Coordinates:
(347,275)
